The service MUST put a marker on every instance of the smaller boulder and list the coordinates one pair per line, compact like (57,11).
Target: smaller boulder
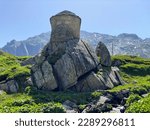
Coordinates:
(103,100)
(103,53)
(9,86)
(70,107)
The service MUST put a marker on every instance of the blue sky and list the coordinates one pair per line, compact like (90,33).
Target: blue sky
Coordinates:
(20,19)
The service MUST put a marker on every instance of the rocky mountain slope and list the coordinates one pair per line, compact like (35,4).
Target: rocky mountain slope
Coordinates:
(122,44)
(29,47)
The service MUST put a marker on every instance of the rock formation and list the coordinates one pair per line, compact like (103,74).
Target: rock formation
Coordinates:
(103,53)
(67,62)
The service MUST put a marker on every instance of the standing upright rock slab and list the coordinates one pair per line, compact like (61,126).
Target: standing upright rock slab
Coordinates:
(103,53)
(67,62)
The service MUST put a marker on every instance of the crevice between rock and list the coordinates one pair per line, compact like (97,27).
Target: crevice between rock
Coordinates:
(89,52)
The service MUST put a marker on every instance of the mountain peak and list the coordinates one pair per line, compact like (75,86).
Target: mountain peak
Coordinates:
(127,35)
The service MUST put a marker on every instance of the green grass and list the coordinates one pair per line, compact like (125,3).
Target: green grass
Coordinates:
(132,98)
(80,98)
(10,67)
(140,106)
(135,71)
(125,59)
(136,84)
(42,101)
(22,103)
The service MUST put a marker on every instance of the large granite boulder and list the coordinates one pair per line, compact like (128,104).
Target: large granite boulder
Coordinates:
(67,62)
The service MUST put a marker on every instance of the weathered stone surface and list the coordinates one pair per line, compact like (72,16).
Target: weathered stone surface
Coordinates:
(9,86)
(102,51)
(65,26)
(29,61)
(43,76)
(119,109)
(117,75)
(67,62)
(102,100)
(115,110)
(66,75)
(37,59)
(70,57)
(29,82)
(70,107)
(97,108)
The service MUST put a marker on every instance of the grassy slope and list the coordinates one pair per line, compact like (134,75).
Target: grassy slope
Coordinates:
(10,67)
(134,70)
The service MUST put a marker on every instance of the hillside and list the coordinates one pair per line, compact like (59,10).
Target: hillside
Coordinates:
(134,96)
(122,44)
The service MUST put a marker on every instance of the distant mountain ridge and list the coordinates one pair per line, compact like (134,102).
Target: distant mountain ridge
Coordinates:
(28,47)
(122,44)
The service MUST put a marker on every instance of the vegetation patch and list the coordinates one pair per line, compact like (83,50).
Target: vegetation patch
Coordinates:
(140,106)
(33,101)
(10,67)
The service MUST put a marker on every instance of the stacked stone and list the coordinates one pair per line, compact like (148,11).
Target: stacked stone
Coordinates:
(67,62)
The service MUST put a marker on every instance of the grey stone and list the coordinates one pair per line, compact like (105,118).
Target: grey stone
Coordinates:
(91,82)
(117,76)
(102,100)
(65,26)
(102,51)
(94,82)
(97,108)
(39,58)
(66,75)
(29,61)
(67,62)
(43,77)
(29,82)
(13,86)
(10,86)
(70,104)
(49,79)
(122,109)
(70,107)
(37,76)
(115,110)
(117,63)
(119,109)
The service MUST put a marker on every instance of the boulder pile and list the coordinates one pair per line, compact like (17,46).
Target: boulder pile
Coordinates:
(67,62)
